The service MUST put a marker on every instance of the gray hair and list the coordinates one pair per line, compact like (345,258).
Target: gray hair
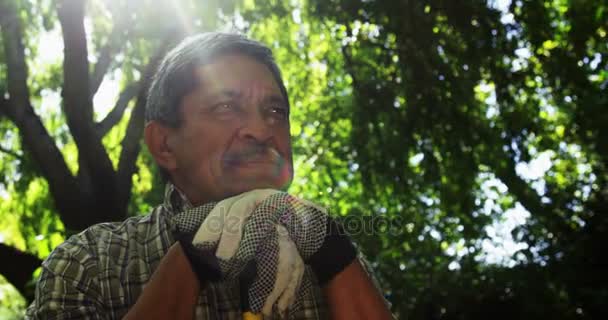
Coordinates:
(175,77)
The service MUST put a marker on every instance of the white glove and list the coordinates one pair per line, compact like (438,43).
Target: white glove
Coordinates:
(226,221)
(289,273)
(283,266)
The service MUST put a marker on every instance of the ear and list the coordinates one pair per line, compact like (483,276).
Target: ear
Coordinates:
(155,136)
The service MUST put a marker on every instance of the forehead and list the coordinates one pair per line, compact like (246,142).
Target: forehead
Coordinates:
(236,72)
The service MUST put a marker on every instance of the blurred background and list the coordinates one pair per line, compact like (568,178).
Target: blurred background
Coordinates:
(477,131)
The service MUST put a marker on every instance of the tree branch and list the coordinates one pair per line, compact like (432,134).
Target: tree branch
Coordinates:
(19,110)
(131,140)
(103,63)
(3,101)
(503,166)
(19,269)
(105,53)
(77,101)
(11,153)
(530,199)
(119,109)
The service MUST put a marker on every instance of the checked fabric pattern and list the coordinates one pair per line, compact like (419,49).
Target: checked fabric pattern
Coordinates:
(101,272)
(304,222)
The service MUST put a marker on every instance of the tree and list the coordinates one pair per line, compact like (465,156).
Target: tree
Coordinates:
(420,73)
(96,184)
(426,112)
(420,115)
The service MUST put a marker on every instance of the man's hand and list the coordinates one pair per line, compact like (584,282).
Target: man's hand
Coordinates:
(248,227)
(320,240)
(239,226)
(214,251)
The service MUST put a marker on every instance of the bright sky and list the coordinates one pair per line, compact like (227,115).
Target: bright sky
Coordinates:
(51,44)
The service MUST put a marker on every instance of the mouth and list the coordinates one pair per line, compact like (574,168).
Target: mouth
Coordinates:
(257,157)
(264,167)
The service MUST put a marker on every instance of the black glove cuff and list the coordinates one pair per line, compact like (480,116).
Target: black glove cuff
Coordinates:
(335,254)
(203,263)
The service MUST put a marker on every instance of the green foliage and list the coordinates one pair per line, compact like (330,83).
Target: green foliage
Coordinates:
(13,303)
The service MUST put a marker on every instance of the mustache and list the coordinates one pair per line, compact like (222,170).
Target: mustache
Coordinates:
(252,152)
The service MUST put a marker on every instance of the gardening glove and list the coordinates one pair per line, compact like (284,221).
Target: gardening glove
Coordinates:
(214,252)
(280,285)
(203,262)
(320,240)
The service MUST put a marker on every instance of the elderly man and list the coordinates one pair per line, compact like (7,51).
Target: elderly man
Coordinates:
(218,127)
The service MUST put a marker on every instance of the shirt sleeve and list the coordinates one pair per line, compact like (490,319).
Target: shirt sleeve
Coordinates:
(68,287)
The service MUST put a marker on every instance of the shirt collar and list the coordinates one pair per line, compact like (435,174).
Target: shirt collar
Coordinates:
(175,200)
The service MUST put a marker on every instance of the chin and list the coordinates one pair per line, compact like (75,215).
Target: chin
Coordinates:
(252,185)
(243,179)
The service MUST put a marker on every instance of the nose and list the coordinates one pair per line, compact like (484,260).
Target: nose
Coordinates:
(255,127)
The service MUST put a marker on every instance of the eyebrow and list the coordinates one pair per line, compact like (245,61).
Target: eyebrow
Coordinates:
(275,99)
(235,94)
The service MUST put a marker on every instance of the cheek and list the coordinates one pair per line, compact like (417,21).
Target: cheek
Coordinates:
(195,149)
(286,174)
(284,143)
(210,145)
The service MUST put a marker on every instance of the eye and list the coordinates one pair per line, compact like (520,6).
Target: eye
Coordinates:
(223,107)
(279,110)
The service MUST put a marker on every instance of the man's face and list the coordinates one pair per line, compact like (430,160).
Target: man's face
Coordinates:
(234,133)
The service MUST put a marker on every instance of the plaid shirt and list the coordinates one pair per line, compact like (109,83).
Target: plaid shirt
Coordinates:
(100,272)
